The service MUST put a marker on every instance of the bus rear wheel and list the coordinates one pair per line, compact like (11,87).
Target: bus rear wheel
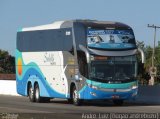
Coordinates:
(118,102)
(31,93)
(75,99)
(38,98)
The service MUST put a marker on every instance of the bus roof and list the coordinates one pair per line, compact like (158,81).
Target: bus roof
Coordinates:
(86,23)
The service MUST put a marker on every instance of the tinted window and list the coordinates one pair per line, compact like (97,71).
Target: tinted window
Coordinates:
(110,39)
(45,40)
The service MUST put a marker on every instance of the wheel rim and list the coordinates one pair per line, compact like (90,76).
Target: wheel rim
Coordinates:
(75,96)
(30,92)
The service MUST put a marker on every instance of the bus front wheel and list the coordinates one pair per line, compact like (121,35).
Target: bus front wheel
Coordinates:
(76,100)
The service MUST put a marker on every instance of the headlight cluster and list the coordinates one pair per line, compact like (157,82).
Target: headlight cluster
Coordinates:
(134,86)
(92,86)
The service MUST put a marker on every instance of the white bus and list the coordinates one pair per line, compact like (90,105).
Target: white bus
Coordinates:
(77,60)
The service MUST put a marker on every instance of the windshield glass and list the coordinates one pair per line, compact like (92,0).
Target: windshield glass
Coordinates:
(114,68)
(110,39)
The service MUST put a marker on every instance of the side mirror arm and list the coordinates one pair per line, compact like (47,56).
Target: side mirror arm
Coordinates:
(86,52)
(142,55)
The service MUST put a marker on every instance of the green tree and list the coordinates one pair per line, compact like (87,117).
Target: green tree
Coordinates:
(7,62)
(148,64)
(143,69)
(148,53)
(157,59)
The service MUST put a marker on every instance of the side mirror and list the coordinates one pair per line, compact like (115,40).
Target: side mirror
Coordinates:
(86,52)
(142,55)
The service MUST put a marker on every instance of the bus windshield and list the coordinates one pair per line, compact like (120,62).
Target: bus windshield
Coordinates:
(113,68)
(110,39)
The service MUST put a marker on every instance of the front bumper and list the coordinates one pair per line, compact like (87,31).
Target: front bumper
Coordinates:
(124,94)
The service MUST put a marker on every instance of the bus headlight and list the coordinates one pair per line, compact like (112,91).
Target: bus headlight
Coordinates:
(91,86)
(134,87)
(94,87)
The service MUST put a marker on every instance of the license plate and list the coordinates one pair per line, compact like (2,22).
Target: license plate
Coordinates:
(115,97)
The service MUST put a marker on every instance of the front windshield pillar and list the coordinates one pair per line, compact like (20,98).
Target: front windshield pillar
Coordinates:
(87,55)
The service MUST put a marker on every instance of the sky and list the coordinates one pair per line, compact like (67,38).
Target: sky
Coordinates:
(16,14)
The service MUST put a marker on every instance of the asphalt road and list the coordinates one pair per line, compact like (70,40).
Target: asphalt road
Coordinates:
(20,108)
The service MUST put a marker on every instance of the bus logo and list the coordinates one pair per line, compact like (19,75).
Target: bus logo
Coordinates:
(49,58)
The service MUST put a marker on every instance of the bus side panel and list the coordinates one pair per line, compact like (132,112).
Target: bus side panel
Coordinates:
(20,84)
(45,68)
(40,58)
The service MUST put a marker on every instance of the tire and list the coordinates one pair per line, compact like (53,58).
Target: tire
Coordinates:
(38,98)
(75,99)
(118,102)
(31,93)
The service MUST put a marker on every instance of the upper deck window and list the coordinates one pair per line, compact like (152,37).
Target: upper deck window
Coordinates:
(45,40)
(112,39)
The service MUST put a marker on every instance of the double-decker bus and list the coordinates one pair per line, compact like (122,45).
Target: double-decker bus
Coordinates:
(77,60)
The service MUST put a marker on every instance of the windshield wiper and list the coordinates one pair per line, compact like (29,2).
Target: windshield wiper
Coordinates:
(108,78)
(122,78)
(97,78)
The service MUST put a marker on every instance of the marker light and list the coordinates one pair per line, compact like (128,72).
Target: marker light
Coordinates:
(100,58)
(134,86)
